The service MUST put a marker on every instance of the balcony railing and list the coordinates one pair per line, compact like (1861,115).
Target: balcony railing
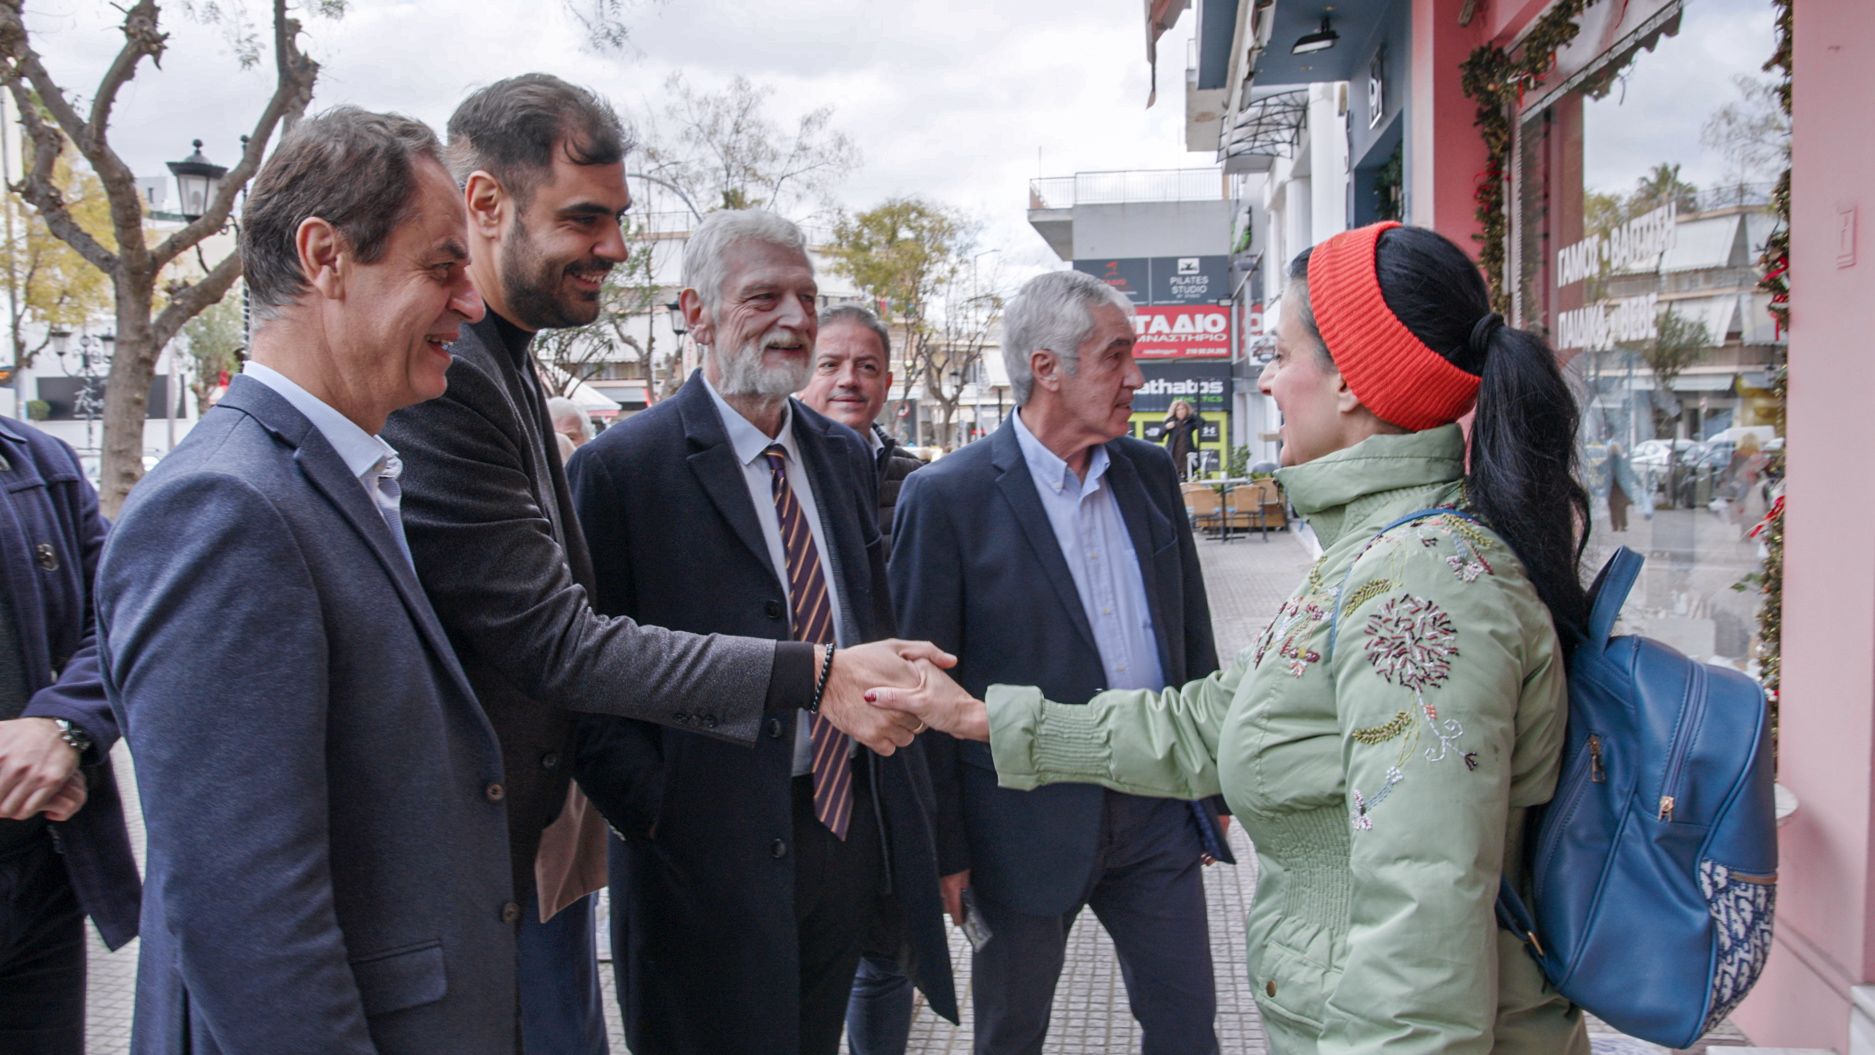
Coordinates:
(1126,188)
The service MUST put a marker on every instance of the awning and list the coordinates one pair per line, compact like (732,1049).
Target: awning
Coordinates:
(587,397)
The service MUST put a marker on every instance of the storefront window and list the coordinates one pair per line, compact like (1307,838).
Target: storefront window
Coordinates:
(1644,171)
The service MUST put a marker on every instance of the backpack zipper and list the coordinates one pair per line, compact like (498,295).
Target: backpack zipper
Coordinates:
(1682,742)
(1572,787)
(1597,774)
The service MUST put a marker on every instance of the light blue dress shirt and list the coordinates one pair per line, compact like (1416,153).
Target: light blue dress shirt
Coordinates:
(749,442)
(367,457)
(1094,541)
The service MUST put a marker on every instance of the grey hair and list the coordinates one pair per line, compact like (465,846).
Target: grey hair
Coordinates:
(560,407)
(1054,311)
(706,252)
(863,317)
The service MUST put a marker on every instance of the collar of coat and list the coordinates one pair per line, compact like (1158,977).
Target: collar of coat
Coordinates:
(1336,491)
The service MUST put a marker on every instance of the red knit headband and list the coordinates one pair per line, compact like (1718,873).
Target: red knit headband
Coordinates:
(1391,371)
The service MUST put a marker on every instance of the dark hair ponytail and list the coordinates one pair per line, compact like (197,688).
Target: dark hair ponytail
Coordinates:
(1521,476)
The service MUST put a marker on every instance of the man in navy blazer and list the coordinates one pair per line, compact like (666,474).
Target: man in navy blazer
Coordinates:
(64,850)
(1057,553)
(734,509)
(328,859)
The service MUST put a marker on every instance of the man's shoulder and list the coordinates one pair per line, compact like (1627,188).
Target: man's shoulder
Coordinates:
(1150,459)
(658,423)
(967,467)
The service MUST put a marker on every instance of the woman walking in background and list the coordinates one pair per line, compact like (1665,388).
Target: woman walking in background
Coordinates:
(1183,427)
(1383,738)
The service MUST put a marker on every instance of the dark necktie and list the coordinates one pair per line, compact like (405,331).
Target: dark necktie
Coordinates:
(813,622)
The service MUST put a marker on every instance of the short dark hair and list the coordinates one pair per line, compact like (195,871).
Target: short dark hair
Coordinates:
(348,166)
(511,128)
(858,316)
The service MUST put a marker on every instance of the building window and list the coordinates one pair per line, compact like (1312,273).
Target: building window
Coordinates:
(1643,177)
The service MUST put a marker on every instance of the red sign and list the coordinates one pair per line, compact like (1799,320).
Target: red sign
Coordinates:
(1182,331)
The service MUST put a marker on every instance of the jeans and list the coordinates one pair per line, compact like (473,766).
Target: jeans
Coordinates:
(561,1009)
(878,1015)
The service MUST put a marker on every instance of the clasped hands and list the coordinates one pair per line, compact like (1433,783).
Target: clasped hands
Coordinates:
(884,693)
(38,771)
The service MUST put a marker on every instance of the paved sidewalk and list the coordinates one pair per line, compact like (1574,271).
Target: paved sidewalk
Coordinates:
(1247,579)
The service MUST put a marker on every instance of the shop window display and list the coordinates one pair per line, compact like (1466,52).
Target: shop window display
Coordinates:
(1643,175)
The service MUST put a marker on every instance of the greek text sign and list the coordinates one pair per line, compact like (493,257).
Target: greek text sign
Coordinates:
(1181,332)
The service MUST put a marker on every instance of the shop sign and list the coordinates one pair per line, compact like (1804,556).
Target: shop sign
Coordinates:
(1189,279)
(1599,327)
(1131,276)
(1636,245)
(1206,386)
(1180,331)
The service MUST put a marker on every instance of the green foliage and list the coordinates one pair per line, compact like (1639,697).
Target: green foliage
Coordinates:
(57,289)
(900,253)
(38,410)
(1237,462)
(217,341)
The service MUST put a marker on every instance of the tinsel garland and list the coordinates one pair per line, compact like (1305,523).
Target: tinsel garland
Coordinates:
(1496,79)
(1775,263)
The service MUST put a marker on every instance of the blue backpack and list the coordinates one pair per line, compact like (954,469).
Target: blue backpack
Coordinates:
(1653,870)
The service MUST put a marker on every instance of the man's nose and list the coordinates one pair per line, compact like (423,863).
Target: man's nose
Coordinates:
(612,245)
(466,302)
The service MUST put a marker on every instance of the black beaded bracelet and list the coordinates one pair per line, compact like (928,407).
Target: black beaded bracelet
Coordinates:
(820,684)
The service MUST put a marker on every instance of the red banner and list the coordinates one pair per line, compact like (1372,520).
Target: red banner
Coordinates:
(1182,331)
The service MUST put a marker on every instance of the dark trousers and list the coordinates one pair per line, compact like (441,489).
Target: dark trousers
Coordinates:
(878,1016)
(836,885)
(42,954)
(562,1012)
(1148,892)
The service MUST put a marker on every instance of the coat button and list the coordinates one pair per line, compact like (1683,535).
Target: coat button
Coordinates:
(510,912)
(550,760)
(48,557)
(772,609)
(495,792)
(774,728)
(778,849)
(709,721)
(682,718)
(1270,987)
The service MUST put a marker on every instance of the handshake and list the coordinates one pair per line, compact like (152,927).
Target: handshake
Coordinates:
(884,693)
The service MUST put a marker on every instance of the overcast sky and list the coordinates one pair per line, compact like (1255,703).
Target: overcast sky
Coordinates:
(962,102)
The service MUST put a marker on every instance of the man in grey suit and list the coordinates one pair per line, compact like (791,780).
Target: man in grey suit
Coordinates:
(491,521)
(323,798)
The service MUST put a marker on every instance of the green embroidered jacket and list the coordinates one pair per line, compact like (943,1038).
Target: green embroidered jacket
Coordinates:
(1384,782)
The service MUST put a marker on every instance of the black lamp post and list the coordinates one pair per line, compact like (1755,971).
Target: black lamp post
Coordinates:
(197,181)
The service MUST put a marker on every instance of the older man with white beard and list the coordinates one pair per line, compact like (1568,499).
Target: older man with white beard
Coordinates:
(751,877)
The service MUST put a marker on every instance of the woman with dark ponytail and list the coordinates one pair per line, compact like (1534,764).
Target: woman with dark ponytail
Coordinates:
(1383,738)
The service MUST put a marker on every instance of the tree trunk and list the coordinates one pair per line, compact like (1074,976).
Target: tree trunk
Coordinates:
(127,389)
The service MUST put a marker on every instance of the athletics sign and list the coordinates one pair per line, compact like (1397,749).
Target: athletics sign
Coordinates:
(1182,331)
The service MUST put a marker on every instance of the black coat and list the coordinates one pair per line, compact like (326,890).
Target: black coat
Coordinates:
(708,903)
(977,571)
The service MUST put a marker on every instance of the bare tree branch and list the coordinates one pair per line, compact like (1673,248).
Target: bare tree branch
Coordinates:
(39,186)
(188,299)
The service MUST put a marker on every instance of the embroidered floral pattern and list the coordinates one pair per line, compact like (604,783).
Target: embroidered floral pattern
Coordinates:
(1364,593)
(1411,642)
(1380,734)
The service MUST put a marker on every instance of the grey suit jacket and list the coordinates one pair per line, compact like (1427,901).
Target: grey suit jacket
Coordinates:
(491,526)
(327,841)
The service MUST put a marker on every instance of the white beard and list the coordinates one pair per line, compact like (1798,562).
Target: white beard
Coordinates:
(744,374)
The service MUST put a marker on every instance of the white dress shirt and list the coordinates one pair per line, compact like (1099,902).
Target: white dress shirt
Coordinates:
(1094,541)
(367,457)
(749,443)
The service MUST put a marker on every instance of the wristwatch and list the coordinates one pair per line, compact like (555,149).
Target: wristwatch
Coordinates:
(73,736)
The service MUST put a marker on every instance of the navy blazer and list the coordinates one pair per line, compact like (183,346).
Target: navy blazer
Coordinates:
(976,570)
(675,542)
(50,538)
(328,854)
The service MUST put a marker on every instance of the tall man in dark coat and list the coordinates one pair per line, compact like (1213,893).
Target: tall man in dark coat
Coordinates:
(748,881)
(491,523)
(851,377)
(1057,553)
(64,850)
(327,836)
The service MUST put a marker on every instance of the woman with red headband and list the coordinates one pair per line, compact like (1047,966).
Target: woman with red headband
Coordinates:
(1383,738)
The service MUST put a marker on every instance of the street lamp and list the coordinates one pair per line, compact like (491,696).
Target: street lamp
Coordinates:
(197,182)
(93,353)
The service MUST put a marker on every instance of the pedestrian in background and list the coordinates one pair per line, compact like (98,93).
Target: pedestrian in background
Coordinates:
(572,428)
(1623,488)
(1183,429)
(64,850)
(1385,736)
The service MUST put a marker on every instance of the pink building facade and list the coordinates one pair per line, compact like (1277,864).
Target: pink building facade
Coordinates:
(1819,988)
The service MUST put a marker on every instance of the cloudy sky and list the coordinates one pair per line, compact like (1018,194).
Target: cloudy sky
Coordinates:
(962,102)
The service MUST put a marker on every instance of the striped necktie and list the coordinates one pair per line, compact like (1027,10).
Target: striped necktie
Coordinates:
(813,622)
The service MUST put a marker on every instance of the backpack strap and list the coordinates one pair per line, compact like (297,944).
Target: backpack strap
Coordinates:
(1514,916)
(1610,591)
(1334,622)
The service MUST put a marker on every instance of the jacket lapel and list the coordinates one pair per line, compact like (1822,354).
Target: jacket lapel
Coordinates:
(1018,489)
(326,471)
(1146,525)
(718,472)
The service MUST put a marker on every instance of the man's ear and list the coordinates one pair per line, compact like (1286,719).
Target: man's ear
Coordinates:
(696,320)
(323,255)
(1045,367)
(487,203)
